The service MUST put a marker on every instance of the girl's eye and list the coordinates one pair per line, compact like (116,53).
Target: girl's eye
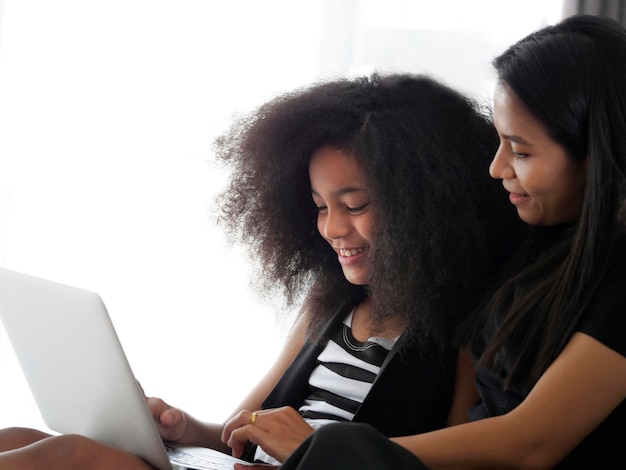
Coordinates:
(355,210)
(519,155)
(322,208)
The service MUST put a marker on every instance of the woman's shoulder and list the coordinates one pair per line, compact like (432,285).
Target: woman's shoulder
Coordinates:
(615,277)
(605,318)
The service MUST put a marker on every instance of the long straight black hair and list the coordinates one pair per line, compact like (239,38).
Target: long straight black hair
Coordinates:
(572,77)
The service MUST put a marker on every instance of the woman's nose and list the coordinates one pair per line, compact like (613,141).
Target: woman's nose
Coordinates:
(500,167)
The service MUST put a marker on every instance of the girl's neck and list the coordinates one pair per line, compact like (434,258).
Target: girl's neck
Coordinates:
(366,325)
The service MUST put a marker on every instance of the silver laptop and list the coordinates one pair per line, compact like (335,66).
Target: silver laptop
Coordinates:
(79,375)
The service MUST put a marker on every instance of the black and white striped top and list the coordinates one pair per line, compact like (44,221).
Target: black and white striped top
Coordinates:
(343,377)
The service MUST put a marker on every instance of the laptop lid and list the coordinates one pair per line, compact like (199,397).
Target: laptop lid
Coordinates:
(75,365)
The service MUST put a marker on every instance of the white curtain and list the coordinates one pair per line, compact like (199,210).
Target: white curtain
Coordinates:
(615,9)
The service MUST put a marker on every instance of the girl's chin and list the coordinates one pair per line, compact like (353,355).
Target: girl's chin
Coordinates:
(358,279)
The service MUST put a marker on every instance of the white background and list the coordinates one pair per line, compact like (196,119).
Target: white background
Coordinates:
(108,109)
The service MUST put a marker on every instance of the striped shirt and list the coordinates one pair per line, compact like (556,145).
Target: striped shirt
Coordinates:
(343,377)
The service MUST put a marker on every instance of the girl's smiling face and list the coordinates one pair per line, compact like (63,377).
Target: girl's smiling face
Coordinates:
(546,186)
(345,217)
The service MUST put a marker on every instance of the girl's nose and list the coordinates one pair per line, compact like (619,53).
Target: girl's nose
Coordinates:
(336,225)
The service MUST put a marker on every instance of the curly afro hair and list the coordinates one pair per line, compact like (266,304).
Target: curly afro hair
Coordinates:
(442,226)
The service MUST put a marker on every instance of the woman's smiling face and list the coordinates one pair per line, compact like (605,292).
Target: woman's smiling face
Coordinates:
(345,217)
(546,186)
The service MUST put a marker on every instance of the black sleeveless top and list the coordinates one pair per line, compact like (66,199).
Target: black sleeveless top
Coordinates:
(411,394)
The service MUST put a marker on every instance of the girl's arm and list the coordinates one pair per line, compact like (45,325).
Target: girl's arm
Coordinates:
(465,394)
(176,425)
(585,383)
(280,431)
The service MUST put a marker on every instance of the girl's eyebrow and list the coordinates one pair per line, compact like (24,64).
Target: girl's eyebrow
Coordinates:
(342,191)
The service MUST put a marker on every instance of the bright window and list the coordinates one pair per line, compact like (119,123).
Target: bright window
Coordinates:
(107,113)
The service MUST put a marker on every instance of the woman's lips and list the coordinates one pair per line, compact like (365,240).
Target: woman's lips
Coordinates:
(517,199)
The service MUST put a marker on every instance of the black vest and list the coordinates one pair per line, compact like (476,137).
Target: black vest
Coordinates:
(411,394)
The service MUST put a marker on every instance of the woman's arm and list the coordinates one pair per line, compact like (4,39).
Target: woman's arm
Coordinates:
(586,382)
(176,425)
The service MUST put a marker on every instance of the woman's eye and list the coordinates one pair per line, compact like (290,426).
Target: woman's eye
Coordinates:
(519,155)
(322,208)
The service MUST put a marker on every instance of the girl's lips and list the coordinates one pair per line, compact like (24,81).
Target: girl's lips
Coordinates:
(349,257)
(350,251)
(517,199)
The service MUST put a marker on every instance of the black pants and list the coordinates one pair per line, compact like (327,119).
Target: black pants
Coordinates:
(351,446)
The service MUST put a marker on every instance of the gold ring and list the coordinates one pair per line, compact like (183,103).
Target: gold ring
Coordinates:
(252,419)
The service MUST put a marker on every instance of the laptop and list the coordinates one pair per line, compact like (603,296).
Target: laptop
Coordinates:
(79,375)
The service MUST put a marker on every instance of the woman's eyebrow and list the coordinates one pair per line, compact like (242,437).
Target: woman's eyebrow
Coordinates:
(516,138)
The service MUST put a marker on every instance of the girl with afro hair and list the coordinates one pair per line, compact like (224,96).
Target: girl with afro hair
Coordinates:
(367,201)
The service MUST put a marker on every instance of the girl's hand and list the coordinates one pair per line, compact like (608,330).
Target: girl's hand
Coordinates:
(171,422)
(278,431)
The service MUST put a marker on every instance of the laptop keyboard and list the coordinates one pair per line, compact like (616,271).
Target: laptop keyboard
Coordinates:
(195,462)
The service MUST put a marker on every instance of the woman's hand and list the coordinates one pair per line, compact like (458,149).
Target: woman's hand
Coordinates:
(171,422)
(278,431)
